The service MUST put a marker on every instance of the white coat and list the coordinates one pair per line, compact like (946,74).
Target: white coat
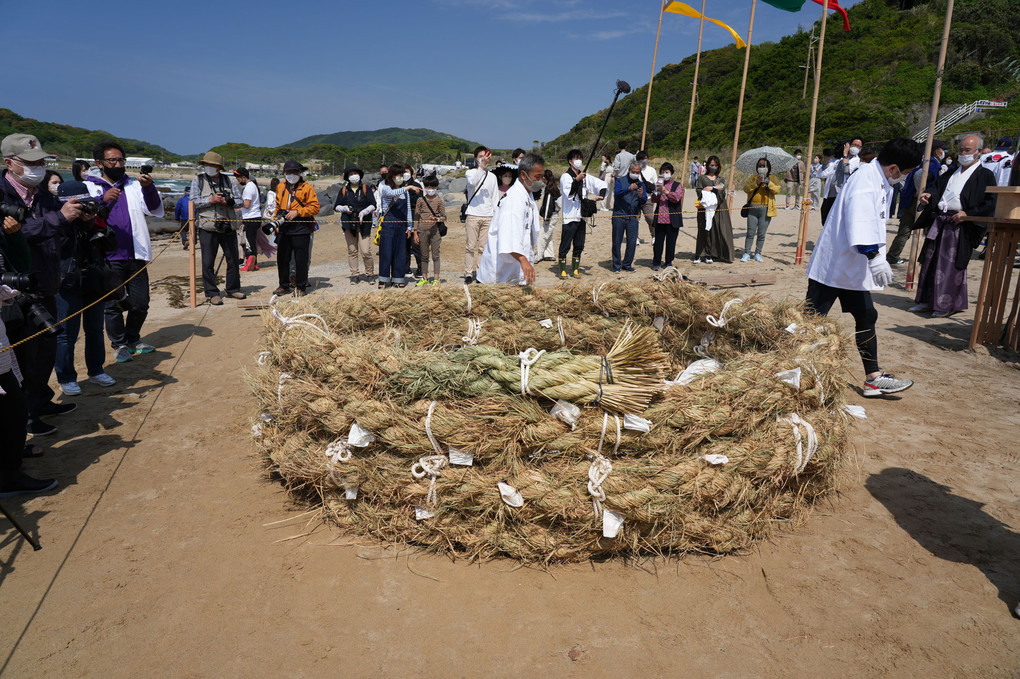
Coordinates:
(514,229)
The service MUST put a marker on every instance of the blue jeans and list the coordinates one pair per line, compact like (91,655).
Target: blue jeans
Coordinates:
(624,226)
(69,301)
(393,251)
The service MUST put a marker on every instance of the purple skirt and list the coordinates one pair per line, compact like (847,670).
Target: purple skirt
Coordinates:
(940,284)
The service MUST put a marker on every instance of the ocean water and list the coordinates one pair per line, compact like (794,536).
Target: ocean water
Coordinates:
(167,187)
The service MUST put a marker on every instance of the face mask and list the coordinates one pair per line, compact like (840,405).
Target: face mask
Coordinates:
(713,168)
(398,180)
(117,173)
(506,181)
(666,176)
(576,163)
(430,192)
(763,171)
(899,181)
(797,157)
(209,170)
(634,176)
(407,176)
(854,151)
(644,164)
(292,178)
(940,154)
(965,158)
(54,188)
(354,178)
(31,175)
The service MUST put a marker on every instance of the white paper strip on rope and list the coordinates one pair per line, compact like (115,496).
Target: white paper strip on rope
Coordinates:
(510,495)
(637,423)
(461,457)
(703,366)
(791,377)
(546,323)
(358,437)
(421,513)
(566,412)
(856,411)
(351,493)
(715,459)
(612,523)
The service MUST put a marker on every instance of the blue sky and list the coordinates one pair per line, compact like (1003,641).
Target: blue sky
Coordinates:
(190,75)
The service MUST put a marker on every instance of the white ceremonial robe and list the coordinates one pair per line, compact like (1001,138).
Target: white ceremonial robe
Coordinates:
(858,217)
(514,229)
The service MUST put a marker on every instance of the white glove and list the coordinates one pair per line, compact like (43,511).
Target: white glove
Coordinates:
(367,211)
(881,272)
(343,209)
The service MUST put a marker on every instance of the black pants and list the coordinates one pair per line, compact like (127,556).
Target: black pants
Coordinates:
(413,249)
(665,235)
(573,235)
(134,304)
(857,303)
(36,358)
(13,417)
(251,229)
(211,242)
(826,206)
(300,247)
(902,232)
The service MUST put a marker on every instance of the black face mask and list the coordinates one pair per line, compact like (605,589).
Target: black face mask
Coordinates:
(115,173)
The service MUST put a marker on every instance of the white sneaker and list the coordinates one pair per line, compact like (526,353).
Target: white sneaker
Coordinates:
(708,260)
(103,380)
(697,260)
(70,388)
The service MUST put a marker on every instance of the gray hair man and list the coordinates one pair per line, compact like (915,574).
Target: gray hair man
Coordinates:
(509,254)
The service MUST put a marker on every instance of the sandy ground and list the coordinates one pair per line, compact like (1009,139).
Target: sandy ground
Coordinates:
(157,558)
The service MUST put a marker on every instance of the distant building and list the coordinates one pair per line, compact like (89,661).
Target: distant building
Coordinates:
(136,162)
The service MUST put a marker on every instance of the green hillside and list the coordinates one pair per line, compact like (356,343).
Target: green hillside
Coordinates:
(877,81)
(70,142)
(388,135)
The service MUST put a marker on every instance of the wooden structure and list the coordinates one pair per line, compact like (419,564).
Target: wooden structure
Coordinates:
(992,326)
(192,247)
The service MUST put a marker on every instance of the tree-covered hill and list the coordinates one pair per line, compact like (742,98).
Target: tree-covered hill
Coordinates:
(877,81)
(70,142)
(388,135)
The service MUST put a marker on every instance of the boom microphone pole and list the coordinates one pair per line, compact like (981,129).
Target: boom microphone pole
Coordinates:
(621,88)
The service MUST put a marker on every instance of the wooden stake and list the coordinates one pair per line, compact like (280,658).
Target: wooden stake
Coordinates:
(915,237)
(192,246)
(655,53)
(740,106)
(805,208)
(694,94)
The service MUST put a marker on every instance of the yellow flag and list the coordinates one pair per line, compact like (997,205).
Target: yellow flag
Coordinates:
(686,10)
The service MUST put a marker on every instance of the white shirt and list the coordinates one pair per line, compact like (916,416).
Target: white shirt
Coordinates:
(950,200)
(514,229)
(572,207)
(1001,164)
(857,218)
(484,202)
(250,192)
(828,175)
(270,204)
(137,210)
(649,174)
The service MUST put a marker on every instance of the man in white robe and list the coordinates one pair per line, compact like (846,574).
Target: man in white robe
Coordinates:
(509,254)
(848,261)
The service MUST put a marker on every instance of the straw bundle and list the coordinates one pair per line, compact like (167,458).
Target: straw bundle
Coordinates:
(401,367)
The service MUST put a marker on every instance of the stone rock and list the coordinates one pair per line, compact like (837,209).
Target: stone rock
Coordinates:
(454,199)
(457,184)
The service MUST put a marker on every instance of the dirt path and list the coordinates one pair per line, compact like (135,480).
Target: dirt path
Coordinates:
(156,559)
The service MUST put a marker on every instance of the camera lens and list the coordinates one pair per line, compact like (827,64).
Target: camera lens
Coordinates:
(25,282)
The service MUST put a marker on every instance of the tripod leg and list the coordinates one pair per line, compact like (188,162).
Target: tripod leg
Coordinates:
(24,533)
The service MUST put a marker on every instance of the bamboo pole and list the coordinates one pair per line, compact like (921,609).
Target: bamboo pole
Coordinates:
(805,206)
(192,246)
(655,53)
(694,94)
(740,106)
(915,237)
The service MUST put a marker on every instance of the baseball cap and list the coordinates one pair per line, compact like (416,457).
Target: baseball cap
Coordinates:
(24,146)
(1004,143)
(293,165)
(242,172)
(939,144)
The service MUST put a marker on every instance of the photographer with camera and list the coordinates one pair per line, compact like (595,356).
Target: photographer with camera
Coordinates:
(128,202)
(33,221)
(296,207)
(216,197)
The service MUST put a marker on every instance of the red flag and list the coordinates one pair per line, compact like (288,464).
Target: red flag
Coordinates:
(834,4)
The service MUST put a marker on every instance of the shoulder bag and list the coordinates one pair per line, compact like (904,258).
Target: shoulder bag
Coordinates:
(464,207)
(441,225)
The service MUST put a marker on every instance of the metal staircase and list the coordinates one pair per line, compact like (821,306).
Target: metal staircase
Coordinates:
(960,114)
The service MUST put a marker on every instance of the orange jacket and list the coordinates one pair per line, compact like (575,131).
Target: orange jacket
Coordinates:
(304,200)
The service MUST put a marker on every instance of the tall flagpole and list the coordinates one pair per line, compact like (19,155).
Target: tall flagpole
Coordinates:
(925,163)
(740,106)
(805,207)
(694,92)
(655,53)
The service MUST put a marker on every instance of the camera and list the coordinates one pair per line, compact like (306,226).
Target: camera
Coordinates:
(19,281)
(91,208)
(145,169)
(36,315)
(227,196)
(18,212)
(272,226)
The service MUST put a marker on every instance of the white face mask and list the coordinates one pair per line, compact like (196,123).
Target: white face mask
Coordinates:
(407,176)
(32,175)
(966,159)
(536,185)
(398,180)
(854,151)
(797,157)
(763,171)
(292,178)
(212,171)
(430,192)
(576,163)
(354,178)
(634,175)
(666,176)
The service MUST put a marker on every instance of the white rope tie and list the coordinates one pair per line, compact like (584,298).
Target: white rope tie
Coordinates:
(796,421)
(279,387)
(291,322)
(669,272)
(559,328)
(706,339)
(264,357)
(337,452)
(467,292)
(723,319)
(428,429)
(595,293)
(432,467)
(528,358)
(474,331)
(600,467)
